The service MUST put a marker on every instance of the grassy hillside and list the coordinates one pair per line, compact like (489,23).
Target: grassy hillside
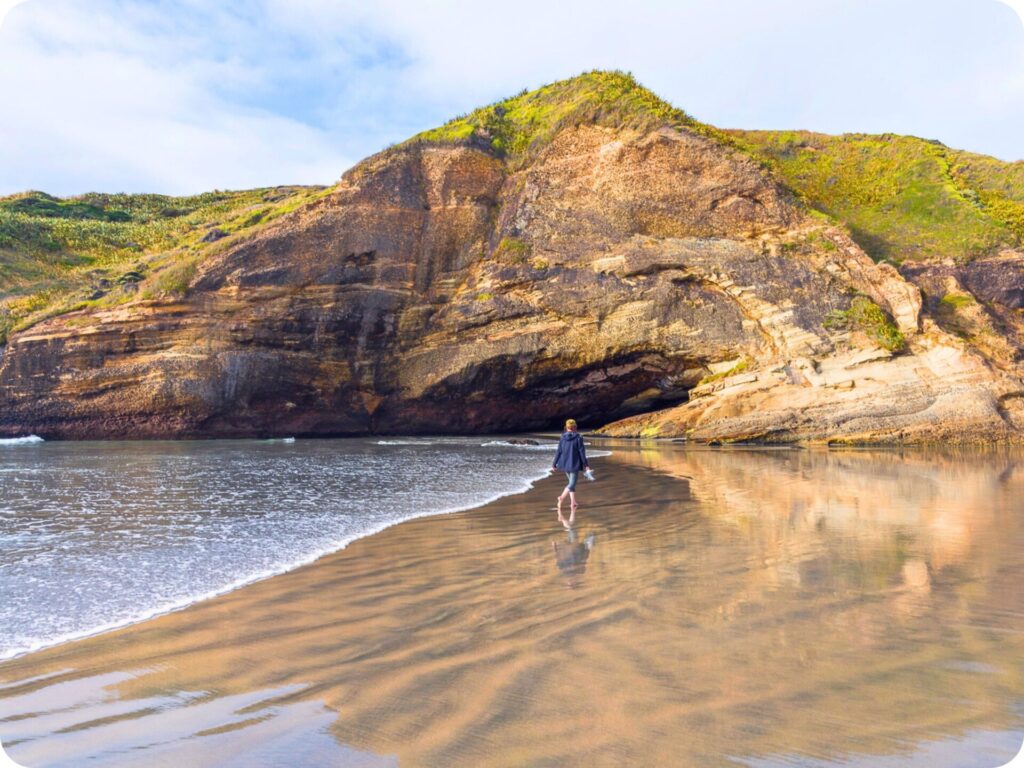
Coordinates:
(518,126)
(901,197)
(59,254)
(998,186)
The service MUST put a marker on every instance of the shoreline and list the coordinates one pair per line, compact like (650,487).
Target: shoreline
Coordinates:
(1003,444)
(528,483)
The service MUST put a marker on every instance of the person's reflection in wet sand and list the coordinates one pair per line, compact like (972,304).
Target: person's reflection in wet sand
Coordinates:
(571,555)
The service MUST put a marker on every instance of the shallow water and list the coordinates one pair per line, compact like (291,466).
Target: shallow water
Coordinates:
(757,608)
(170,523)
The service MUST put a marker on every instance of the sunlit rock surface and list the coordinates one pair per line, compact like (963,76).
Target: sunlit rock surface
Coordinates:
(656,275)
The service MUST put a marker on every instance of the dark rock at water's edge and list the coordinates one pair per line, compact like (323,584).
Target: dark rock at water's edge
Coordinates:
(627,266)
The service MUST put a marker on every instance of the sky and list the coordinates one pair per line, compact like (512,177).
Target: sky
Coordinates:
(184,96)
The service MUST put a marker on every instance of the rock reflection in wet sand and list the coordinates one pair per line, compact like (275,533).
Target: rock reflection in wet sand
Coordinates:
(704,608)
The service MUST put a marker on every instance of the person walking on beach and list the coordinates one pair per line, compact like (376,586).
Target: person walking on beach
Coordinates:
(571,458)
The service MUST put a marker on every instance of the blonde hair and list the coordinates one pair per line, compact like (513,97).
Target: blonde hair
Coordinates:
(570,424)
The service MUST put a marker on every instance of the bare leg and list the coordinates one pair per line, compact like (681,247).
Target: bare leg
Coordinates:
(572,499)
(560,500)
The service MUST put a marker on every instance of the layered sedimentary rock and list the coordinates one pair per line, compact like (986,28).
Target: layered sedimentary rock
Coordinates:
(958,380)
(656,275)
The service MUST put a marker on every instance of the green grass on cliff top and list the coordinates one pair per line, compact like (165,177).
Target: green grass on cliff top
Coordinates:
(55,254)
(901,197)
(518,126)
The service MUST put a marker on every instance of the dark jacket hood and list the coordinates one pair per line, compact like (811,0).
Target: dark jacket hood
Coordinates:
(570,438)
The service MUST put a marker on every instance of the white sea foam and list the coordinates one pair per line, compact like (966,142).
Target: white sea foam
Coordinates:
(175,524)
(27,440)
(520,446)
(546,447)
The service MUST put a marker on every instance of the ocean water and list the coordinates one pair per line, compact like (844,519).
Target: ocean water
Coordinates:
(98,535)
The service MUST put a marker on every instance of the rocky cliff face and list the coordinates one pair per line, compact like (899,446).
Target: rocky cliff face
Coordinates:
(649,272)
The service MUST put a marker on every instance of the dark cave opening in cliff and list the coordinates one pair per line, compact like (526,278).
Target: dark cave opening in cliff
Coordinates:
(593,417)
(513,395)
(598,394)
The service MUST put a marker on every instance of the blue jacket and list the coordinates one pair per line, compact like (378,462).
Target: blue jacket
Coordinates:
(571,456)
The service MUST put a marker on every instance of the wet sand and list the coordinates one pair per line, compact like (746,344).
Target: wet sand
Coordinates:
(760,608)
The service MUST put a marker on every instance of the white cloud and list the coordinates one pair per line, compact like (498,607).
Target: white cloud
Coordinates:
(1016,5)
(176,95)
(6,6)
(111,103)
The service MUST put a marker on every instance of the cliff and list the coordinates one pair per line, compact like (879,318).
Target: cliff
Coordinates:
(584,249)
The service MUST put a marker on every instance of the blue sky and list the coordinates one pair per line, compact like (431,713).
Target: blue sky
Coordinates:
(181,96)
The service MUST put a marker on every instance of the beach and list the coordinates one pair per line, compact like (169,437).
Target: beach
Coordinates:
(707,607)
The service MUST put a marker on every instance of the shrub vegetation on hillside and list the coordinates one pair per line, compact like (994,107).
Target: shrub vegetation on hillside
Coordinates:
(96,249)
(517,127)
(900,196)
(870,319)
